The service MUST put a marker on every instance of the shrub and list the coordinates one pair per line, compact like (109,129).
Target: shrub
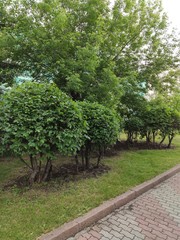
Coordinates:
(160,118)
(38,120)
(103,129)
(133,126)
(172,126)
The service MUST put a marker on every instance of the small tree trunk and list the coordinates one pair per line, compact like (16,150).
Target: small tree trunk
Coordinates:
(154,137)
(35,170)
(48,170)
(170,137)
(136,136)
(162,140)
(130,137)
(39,174)
(82,158)
(77,163)
(99,157)
(148,137)
(87,147)
(31,161)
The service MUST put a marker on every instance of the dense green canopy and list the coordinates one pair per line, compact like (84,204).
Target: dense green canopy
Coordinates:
(90,50)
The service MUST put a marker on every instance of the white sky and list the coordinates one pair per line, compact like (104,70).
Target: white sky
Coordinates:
(172,8)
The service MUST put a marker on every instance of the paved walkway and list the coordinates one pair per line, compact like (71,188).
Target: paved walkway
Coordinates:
(155,215)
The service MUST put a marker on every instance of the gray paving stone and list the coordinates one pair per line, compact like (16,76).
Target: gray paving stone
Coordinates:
(137,234)
(125,238)
(116,234)
(127,234)
(114,238)
(153,215)
(106,234)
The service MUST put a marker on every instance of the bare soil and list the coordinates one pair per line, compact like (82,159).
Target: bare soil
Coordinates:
(68,172)
(61,175)
(124,145)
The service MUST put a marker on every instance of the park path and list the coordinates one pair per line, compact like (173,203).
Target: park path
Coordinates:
(155,215)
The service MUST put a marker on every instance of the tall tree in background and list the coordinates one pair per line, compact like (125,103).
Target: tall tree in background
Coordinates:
(7,67)
(89,50)
(144,48)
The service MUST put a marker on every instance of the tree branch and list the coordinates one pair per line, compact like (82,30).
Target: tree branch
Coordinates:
(22,160)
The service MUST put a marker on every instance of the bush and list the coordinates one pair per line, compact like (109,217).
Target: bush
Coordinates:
(37,120)
(157,118)
(103,129)
(172,126)
(133,126)
(161,119)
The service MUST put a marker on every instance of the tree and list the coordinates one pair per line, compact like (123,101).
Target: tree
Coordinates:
(61,41)
(132,107)
(160,118)
(133,127)
(150,118)
(155,119)
(170,123)
(87,49)
(38,120)
(103,129)
(8,68)
(141,45)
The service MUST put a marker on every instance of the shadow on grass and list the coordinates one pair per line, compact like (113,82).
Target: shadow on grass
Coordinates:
(61,175)
(65,172)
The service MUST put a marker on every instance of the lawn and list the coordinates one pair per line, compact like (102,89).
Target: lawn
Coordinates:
(27,213)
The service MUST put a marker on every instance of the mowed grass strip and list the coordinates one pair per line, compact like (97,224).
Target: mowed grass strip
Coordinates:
(28,214)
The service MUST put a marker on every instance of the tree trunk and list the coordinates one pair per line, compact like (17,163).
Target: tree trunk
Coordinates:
(35,170)
(48,170)
(87,147)
(77,163)
(154,137)
(162,140)
(99,156)
(148,137)
(130,137)
(31,160)
(170,137)
(136,136)
(82,158)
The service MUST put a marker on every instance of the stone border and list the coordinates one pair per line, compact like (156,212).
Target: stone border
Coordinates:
(71,228)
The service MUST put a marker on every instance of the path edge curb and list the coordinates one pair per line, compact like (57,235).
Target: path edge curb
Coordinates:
(71,228)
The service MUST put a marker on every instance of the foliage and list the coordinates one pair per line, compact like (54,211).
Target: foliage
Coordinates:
(133,126)
(103,128)
(169,82)
(8,68)
(152,118)
(88,49)
(112,55)
(4,88)
(161,118)
(131,108)
(37,120)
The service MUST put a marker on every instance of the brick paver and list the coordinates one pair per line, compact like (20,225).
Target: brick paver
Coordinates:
(153,215)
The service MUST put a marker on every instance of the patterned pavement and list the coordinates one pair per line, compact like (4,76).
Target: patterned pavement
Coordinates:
(155,215)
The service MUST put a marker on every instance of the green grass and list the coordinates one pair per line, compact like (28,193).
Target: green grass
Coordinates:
(28,214)
(8,168)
